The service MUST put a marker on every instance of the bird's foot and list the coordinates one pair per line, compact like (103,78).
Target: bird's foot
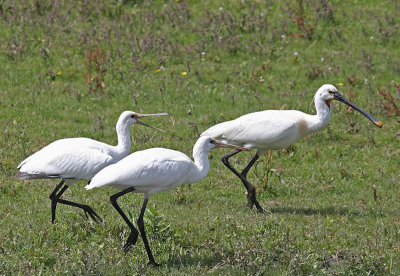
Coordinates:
(131,240)
(259,208)
(251,201)
(89,211)
(154,264)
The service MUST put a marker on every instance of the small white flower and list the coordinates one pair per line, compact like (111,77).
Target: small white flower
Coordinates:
(329,68)
(282,36)
(261,14)
(203,54)
(393,82)
(322,59)
(296,54)
(221,8)
(371,38)
(366,80)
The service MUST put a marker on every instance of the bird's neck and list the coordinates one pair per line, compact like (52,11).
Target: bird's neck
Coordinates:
(124,139)
(321,119)
(202,163)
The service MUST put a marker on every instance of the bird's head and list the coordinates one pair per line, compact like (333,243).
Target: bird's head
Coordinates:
(130,117)
(328,93)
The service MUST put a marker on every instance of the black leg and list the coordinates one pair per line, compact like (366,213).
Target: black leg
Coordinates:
(248,167)
(143,234)
(54,192)
(251,190)
(134,232)
(55,198)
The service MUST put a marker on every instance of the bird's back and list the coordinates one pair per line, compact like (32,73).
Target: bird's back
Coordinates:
(150,170)
(79,158)
(263,130)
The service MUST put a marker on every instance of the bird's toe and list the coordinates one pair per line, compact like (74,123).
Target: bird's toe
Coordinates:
(130,241)
(89,211)
(154,264)
(250,203)
(259,208)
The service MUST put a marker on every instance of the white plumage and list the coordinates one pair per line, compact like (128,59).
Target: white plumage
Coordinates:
(146,169)
(263,130)
(276,129)
(151,171)
(73,159)
(78,158)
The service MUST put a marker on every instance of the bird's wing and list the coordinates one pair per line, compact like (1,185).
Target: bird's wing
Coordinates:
(269,125)
(153,167)
(65,161)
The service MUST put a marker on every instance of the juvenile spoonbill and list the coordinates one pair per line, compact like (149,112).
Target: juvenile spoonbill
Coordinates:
(73,159)
(154,170)
(276,129)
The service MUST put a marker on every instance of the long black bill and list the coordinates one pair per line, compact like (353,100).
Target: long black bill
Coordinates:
(342,99)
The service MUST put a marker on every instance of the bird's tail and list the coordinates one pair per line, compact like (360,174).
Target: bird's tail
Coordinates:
(25,175)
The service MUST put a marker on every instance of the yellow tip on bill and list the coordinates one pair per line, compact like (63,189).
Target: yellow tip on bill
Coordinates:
(379,124)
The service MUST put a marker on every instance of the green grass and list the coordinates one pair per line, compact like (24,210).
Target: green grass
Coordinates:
(332,201)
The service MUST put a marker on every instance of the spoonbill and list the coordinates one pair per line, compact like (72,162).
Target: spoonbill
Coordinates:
(154,170)
(73,159)
(276,129)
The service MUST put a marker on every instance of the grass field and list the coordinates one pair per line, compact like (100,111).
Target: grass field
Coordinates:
(69,68)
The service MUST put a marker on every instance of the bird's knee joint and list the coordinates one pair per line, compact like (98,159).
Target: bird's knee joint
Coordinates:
(113,200)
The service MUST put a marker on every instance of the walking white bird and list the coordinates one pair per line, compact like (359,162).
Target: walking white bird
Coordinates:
(276,129)
(73,159)
(151,171)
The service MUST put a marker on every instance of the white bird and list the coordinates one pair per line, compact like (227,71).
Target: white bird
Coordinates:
(154,170)
(276,129)
(73,159)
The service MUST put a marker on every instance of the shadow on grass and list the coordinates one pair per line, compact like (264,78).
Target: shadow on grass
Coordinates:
(343,211)
(184,261)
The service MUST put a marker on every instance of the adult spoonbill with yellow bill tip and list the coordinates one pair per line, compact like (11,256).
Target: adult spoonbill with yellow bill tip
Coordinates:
(276,129)
(73,159)
(154,170)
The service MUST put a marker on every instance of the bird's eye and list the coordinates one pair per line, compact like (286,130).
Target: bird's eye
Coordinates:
(132,116)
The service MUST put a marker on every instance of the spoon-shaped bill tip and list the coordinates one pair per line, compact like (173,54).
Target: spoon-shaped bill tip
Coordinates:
(378,123)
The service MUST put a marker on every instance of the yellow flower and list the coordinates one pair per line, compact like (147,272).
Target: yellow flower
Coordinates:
(158,70)
(58,73)
(340,84)
(42,40)
(184,73)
